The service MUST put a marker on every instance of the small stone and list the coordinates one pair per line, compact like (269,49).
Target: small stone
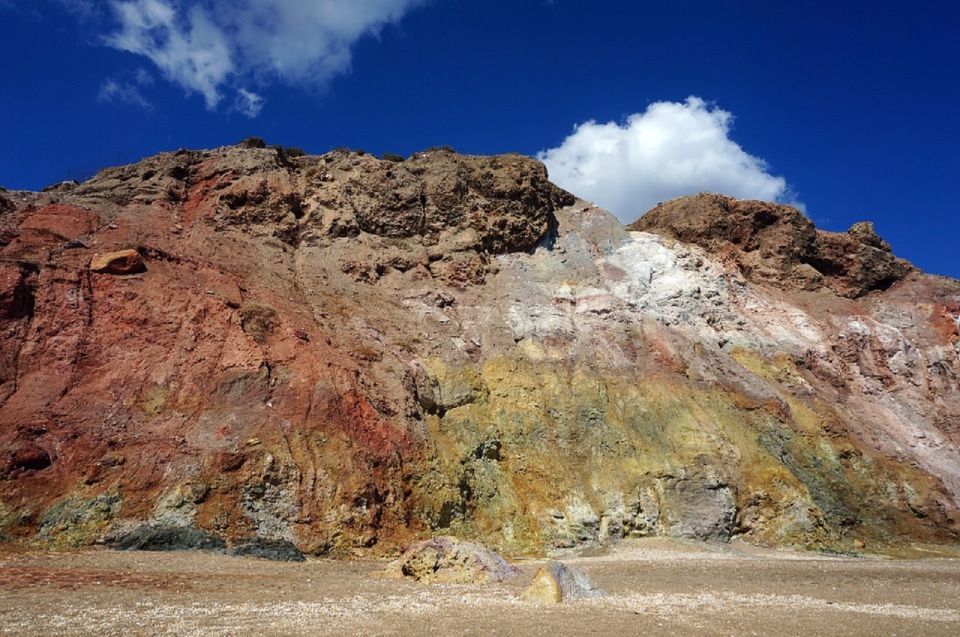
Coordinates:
(122,262)
(556,582)
(113,459)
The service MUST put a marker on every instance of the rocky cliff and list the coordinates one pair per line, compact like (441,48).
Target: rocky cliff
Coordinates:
(349,353)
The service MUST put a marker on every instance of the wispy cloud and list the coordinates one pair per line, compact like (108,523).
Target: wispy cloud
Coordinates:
(127,88)
(669,150)
(212,47)
(188,48)
(248,103)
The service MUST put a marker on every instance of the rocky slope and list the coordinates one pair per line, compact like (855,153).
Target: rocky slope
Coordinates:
(348,353)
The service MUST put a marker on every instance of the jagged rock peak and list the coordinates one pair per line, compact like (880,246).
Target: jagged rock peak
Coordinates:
(776,243)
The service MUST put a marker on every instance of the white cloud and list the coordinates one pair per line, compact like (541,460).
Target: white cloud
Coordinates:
(127,89)
(669,150)
(210,46)
(248,103)
(188,48)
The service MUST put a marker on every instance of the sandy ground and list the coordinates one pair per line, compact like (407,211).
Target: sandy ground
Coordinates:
(670,587)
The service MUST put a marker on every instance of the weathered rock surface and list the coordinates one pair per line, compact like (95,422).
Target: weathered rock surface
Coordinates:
(122,262)
(448,560)
(275,550)
(350,354)
(154,537)
(776,244)
(557,582)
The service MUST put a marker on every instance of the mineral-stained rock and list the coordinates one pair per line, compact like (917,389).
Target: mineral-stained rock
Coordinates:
(557,582)
(778,244)
(448,560)
(28,458)
(699,509)
(351,354)
(75,520)
(275,550)
(150,537)
(121,262)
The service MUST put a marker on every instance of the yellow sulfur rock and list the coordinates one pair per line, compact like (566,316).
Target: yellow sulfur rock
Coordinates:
(122,262)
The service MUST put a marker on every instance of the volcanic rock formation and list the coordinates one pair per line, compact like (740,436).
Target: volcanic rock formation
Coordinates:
(557,582)
(777,244)
(348,353)
(448,560)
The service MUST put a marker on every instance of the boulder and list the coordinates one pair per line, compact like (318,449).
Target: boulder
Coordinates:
(449,560)
(150,537)
(556,582)
(275,550)
(122,262)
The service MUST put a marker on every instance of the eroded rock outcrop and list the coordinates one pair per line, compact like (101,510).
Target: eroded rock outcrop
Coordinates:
(341,353)
(557,582)
(776,243)
(447,560)
(157,537)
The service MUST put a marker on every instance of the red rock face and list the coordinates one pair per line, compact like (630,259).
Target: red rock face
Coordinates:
(209,368)
(350,353)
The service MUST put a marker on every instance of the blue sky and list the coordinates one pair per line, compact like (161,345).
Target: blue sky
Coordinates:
(851,109)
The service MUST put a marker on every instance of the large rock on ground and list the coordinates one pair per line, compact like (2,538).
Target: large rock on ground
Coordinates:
(150,537)
(557,582)
(448,560)
(274,550)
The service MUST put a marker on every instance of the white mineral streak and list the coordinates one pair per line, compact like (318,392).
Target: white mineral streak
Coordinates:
(589,281)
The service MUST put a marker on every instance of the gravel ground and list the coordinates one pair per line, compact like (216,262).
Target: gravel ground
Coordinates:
(674,587)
